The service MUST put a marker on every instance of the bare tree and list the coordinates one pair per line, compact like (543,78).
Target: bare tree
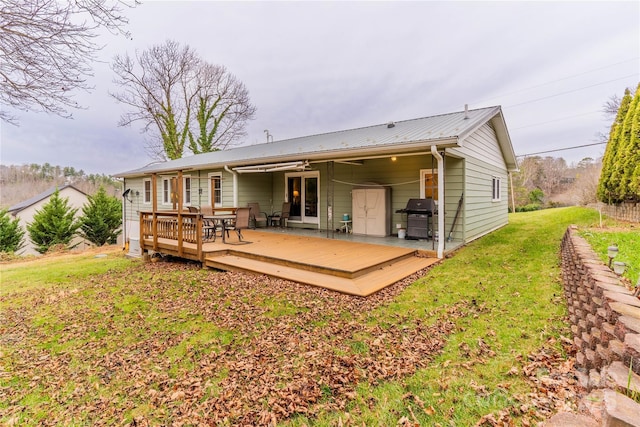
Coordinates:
(609,111)
(157,85)
(222,109)
(611,107)
(585,187)
(46,51)
(167,86)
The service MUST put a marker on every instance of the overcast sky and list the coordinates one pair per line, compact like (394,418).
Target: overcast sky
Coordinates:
(316,67)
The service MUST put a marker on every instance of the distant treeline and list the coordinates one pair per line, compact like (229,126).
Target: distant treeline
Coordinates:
(25,181)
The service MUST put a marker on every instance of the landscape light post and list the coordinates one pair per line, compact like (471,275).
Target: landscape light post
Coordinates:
(619,267)
(612,251)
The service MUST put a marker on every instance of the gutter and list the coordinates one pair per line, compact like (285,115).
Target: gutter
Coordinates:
(441,230)
(311,156)
(235,185)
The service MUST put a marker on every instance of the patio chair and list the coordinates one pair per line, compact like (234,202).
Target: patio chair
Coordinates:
(241,223)
(256,216)
(281,217)
(208,226)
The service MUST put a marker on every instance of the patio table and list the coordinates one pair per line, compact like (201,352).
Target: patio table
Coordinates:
(223,220)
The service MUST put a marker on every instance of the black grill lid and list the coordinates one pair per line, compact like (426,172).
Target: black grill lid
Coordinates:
(420,206)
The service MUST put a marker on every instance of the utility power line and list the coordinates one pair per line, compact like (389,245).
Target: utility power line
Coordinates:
(561,149)
(570,91)
(556,120)
(558,80)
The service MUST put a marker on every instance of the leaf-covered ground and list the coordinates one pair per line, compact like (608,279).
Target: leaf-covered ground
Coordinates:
(477,340)
(168,343)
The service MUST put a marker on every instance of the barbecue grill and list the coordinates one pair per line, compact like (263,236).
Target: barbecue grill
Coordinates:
(419,214)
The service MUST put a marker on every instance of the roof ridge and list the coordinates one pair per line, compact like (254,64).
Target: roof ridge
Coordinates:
(376,125)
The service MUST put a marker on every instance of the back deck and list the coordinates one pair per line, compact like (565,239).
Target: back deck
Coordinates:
(348,267)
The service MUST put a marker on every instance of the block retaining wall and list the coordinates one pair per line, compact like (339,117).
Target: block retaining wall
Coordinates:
(604,315)
(605,321)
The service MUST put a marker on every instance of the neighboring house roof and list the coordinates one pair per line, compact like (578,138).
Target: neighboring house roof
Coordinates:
(446,130)
(15,209)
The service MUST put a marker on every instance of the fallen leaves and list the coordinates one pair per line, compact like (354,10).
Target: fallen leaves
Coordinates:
(177,345)
(555,387)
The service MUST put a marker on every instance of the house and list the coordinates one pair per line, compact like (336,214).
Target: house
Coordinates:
(460,160)
(26,210)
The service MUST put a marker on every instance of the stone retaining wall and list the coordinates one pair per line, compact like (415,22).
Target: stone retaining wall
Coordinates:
(605,321)
(623,212)
(604,315)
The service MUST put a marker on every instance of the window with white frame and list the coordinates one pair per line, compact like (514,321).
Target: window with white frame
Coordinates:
(495,189)
(146,191)
(215,189)
(166,191)
(187,190)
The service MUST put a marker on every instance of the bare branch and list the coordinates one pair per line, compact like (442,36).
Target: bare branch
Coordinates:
(167,86)
(46,51)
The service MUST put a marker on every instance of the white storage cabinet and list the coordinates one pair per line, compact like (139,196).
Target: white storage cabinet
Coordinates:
(371,211)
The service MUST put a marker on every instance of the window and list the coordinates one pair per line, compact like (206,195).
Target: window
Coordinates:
(429,184)
(146,192)
(495,188)
(187,190)
(166,191)
(215,189)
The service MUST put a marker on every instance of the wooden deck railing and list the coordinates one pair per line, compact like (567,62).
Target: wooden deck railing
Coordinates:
(181,227)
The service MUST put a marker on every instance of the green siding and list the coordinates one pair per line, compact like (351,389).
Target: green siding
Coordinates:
(468,169)
(483,161)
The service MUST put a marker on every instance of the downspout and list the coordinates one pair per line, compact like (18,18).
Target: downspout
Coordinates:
(441,231)
(124,215)
(235,185)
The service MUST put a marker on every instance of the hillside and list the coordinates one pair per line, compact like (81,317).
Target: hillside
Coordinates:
(19,183)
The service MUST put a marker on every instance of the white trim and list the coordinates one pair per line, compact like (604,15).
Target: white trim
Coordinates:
(496,189)
(210,195)
(167,200)
(144,191)
(184,190)
(423,173)
(310,174)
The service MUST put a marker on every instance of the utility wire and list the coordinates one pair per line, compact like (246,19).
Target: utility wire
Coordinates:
(559,80)
(561,149)
(569,91)
(556,120)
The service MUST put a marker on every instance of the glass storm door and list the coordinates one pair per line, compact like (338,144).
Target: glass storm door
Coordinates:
(303,194)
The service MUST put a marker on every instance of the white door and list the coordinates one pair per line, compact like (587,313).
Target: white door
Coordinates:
(369,212)
(375,213)
(359,211)
(302,190)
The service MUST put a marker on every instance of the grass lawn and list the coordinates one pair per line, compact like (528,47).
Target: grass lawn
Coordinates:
(627,237)
(113,341)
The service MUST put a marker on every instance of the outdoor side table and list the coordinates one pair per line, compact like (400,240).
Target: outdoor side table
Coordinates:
(346,226)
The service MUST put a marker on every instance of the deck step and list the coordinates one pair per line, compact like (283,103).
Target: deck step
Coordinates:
(362,285)
(349,272)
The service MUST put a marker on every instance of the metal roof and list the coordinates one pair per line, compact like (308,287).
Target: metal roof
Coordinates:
(404,136)
(15,209)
